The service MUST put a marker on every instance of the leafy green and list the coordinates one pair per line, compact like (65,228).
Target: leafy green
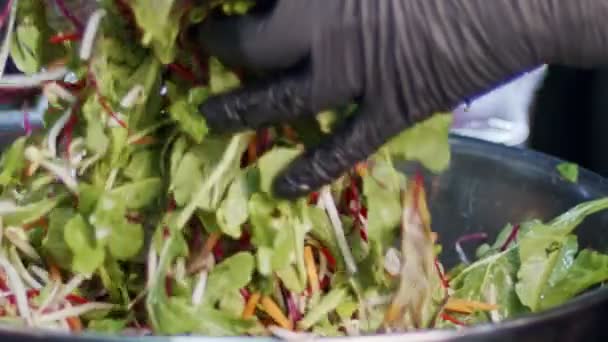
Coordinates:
(230,275)
(426,142)
(568,171)
(88,254)
(328,303)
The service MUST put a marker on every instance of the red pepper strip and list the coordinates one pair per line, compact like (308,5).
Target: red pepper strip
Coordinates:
(67,37)
(324,284)
(331,261)
(75,299)
(245,293)
(168,286)
(68,132)
(511,238)
(183,72)
(218,252)
(447,317)
(444,282)
(245,240)
(104,104)
(313,198)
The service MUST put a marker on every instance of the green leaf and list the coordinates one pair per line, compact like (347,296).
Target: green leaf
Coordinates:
(184,111)
(383,208)
(123,239)
(426,142)
(273,162)
(548,248)
(54,243)
(221,79)
(31,212)
(139,194)
(233,212)
(569,171)
(88,255)
(588,269)
(30,49)
(143,164)
(13,162)
(327,304)
(230,275)
(160,24)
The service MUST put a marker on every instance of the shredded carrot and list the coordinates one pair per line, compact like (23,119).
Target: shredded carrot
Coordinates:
(41,222)
(54,272)
(273,310)
(145,140)
(252,302)
(454,320)
(392,313)
(290,133)
(361,169)
(252,150)
(311,269)
(468,306)
(210,243)
(74,323)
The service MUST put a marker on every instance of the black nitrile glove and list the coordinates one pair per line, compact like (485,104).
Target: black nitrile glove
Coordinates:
(400,60)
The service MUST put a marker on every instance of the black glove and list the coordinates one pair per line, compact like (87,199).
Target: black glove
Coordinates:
(400,60)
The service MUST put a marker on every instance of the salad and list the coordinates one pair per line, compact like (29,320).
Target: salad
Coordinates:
(126,215)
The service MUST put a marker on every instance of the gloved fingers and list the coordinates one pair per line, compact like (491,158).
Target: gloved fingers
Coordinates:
(354,141)
(275,40)
(270,101)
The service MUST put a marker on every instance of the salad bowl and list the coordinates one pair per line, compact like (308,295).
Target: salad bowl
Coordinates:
(486,186)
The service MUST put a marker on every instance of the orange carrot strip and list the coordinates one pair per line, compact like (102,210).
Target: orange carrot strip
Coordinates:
(273,310)
(253,301)
(468,306)
(311,269)
(74,323)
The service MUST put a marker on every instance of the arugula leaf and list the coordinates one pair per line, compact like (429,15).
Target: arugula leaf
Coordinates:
(13,162)
(184,111)
(231,274)
(233,211)
(54,243)
(139,194)
(426,142)
(588,269)
(569,171)
(30,50)
(160,23)
(123,239)
(88,255)
(328,303)
(30,212)
(273,162)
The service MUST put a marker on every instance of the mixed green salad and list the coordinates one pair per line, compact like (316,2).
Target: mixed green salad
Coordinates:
(126,215)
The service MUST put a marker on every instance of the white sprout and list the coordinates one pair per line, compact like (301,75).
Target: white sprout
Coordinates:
(199,289)
(18,289)
(39,272)
(17,237)
(32,81)
(54,90)
(111,179)
(64,174)
(151,265)
(50,298)
(74,311)
(332,212)
(8,36)
(8,207)
(22,271)
(88,38)
(133,97)
(392,261)
(56,130)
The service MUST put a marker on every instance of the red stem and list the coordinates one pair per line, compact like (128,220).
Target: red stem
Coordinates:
(67,37)
(183,72)
(452,319)
(511,238)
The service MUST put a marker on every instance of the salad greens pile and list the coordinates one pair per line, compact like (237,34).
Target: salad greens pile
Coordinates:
(127,215)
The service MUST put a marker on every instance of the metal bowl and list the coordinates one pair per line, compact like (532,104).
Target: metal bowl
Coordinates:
(486,186)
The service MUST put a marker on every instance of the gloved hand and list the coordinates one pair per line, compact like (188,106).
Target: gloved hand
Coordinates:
(400,60)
